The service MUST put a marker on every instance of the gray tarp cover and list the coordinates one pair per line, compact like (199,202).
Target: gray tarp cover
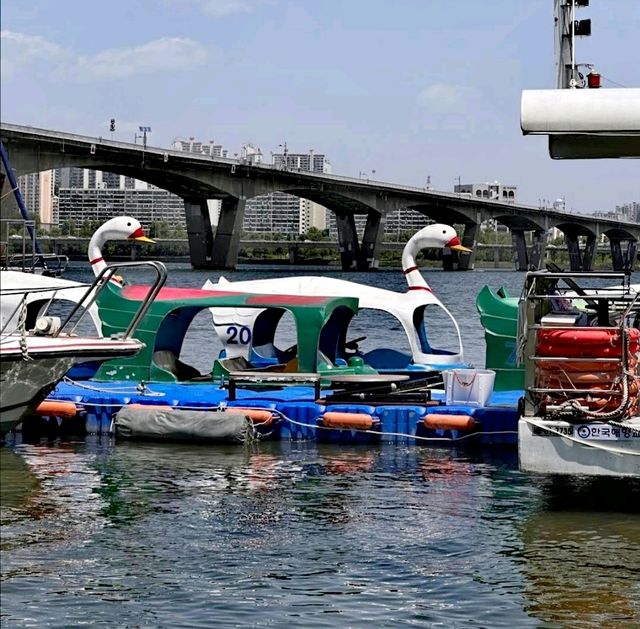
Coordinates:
(155,423)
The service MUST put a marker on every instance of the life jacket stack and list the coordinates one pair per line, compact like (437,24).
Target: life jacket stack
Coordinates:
(600,381)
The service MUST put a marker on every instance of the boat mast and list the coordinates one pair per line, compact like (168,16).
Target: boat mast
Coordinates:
(18,196)
(566,29)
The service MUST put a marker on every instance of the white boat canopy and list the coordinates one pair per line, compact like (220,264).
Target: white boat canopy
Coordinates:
(584,123)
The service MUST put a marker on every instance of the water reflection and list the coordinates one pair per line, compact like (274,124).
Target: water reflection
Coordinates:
(19,486)
(302,532)
(581,554)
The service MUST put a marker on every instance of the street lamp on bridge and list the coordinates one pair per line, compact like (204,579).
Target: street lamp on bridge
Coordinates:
(144,131)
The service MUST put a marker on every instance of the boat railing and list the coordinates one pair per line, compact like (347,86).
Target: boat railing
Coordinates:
(608,308)
(18,251)
(108,275)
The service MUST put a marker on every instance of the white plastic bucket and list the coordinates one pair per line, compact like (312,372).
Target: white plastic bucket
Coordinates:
(469,387)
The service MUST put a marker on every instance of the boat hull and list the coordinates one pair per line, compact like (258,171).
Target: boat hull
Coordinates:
(25,383)
(547,452)
(31,366)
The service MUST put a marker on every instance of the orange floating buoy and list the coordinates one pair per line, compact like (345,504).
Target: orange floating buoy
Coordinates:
(59,409)
(356,421)
(256,415)
(449,422)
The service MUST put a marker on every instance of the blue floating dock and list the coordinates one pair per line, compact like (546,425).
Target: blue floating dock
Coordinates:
(297,416)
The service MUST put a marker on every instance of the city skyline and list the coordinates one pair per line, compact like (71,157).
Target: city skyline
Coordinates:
(411,91)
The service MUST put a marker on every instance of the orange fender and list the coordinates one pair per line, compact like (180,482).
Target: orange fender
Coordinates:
(357,421)
(256,415)
(449,422)
(59,409)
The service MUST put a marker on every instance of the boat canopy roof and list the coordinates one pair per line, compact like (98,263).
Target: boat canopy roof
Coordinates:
(408,307)
(167,321)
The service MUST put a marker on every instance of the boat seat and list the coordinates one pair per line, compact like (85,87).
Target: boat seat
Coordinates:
(240,363)
(384,358)
(167,360)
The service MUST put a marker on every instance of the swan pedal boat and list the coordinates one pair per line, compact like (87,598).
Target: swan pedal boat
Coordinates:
(411,310)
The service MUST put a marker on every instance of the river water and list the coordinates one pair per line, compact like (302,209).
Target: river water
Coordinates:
(111,534)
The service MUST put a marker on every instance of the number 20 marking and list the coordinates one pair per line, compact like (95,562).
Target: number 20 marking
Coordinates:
(239,336)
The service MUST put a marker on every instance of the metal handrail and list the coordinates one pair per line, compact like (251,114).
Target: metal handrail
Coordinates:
(577,391)
(576,359)
(102,280)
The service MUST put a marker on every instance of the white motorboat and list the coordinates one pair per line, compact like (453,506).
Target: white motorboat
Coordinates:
(35,356)
(581,405)
(411,310)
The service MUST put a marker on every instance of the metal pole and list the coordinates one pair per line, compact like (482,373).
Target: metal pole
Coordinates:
(18,196)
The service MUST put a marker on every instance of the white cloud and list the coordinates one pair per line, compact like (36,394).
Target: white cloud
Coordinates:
(20,51)
(445,97)
(169,54)
(160,55)
(216,8)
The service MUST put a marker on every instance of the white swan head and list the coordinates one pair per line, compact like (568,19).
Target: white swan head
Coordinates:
(121,228)
(118,228)
(436,236)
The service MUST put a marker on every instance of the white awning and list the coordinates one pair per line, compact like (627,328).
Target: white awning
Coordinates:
(608,111)
(584,123)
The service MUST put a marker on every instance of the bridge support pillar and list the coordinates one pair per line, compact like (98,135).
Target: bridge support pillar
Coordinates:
(466,261)
(623,259)
(632,254)
(529,259)
(199,233)
(589,252)
(520,247)
(617,258)
(575,256)
(348,241)
(538,249)
(227,240)
(369,254)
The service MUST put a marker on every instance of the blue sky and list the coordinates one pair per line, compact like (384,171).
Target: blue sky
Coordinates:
(408,88)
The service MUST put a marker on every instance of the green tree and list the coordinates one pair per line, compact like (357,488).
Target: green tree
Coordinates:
(314,234)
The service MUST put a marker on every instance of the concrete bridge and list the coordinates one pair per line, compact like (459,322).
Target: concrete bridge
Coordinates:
(197,178)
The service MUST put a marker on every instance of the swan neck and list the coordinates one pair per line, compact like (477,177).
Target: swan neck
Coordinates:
(410,268)
(95,253)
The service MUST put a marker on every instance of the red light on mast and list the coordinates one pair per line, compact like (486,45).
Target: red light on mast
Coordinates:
(593,79)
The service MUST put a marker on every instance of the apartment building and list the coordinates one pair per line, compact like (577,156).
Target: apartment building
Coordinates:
(38,192)
(493,191)
(191,145)
(152,205)
(284,213)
